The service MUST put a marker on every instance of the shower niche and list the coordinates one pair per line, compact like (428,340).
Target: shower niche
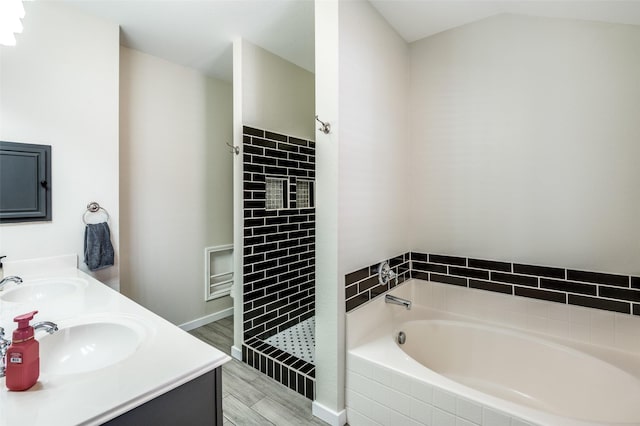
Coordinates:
(279,257)
(277,195)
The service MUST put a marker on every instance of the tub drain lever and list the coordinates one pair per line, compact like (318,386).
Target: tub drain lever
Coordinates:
(402,338)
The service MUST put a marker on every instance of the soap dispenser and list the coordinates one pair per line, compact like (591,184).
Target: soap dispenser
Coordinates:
(23,356)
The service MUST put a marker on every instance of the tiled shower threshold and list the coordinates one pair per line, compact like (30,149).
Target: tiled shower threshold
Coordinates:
(286,357)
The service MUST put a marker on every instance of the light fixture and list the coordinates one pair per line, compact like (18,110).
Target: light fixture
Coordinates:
(11,14)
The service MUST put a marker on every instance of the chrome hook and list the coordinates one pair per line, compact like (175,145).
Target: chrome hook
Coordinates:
(234,149)
(325,127)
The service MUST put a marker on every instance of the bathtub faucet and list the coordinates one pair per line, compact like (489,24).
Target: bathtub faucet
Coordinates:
(397,301)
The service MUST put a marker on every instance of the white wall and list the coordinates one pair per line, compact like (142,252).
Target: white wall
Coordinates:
(238,205)
(361,212)
(276,94)
(176,183)
(59,87)
(373,138)
(524,142)
(329,333)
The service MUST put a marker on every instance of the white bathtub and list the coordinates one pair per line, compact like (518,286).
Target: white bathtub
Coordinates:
(458,370)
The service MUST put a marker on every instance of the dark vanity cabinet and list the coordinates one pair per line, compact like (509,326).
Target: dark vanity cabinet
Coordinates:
(195,403)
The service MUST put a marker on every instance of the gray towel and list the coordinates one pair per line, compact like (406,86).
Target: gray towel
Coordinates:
(98,251)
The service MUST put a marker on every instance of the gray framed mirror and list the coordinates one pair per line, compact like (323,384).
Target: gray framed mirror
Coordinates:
(25,182)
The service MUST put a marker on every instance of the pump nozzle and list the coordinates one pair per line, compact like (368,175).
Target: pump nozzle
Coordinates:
(24,330)
(23,320)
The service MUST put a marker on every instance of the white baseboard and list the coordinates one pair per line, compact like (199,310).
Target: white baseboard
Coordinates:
(236,353)
(187,326)
(329,416)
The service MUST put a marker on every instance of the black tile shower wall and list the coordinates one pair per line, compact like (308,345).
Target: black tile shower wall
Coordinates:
(611,292)
(279,245)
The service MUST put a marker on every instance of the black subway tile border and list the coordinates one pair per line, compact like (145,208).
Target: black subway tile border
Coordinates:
(534,293)
(504,277)
(469,273)
(419,257)
(357,276)
(599,303)
(619,293)
(428,267)
(396,261)
(362,285)
(491,286)
(606,291)
(598,278)
(541,271)
(370,282)
(448,260)
(289,370)
(489,264)
(420,275)
(448,279)
(568,286)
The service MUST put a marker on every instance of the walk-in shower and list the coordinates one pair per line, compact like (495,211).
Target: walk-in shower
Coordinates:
(279,257)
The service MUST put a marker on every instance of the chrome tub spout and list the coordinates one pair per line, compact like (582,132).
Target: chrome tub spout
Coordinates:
(397,301)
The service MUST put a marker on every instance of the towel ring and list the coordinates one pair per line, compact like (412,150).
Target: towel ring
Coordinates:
(94,207)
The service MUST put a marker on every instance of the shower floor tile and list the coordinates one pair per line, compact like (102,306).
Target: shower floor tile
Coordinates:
(298,340)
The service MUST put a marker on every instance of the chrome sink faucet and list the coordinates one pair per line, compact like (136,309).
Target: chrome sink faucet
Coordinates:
(7,280)
(48,326)
(4,345)
(388,298)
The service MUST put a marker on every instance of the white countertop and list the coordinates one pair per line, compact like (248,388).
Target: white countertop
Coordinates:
(167,358)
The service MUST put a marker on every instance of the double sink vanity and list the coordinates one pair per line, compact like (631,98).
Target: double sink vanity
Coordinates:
(110,362)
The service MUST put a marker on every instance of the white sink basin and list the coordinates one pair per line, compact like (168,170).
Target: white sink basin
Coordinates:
(42,290)
(82,345)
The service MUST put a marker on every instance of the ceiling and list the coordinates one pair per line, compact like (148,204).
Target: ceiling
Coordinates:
(417,19)
(199,33)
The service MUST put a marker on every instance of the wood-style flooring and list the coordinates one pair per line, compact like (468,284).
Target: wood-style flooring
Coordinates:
(250,397)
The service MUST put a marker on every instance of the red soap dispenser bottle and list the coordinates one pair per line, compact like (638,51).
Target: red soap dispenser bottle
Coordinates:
(23,356)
